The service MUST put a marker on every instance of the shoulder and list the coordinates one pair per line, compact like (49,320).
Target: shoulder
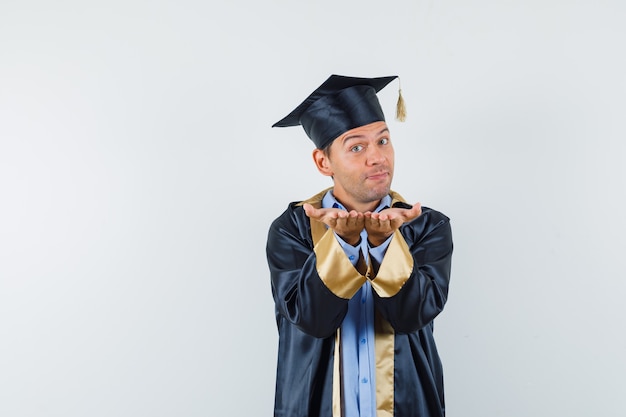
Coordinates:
(294,215)
(433,215)
(428,215)
(291,227)
(430,223)
(295,211)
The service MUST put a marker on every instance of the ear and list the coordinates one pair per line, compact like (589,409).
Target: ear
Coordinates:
(322,162)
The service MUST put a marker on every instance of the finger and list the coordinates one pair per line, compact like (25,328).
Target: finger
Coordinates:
(396,223)
(358,220)
(373,223)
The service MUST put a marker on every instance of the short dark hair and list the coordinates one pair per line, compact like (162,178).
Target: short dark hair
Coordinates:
(326,149)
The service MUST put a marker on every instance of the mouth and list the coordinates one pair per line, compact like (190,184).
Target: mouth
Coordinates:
(377,176)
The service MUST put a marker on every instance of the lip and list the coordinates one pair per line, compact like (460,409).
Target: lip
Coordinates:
(378,176)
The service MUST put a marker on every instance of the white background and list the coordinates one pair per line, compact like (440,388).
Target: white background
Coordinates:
(139,175)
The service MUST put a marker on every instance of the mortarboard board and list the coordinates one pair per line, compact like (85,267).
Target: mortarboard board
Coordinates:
(341,103)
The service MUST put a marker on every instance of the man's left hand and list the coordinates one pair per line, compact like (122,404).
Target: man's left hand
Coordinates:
(381,225)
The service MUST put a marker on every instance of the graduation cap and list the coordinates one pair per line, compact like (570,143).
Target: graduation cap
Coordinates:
(341,103)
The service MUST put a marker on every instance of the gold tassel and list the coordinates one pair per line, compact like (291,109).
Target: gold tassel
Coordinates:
(400,107)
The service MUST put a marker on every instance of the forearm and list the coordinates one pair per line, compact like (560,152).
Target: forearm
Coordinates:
(411,284)
(311,286)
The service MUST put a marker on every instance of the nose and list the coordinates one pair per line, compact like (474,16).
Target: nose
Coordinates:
(375,156)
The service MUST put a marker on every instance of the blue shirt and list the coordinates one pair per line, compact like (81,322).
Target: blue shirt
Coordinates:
(357,330)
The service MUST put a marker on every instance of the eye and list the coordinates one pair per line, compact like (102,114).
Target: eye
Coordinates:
(384,141)
(356,148)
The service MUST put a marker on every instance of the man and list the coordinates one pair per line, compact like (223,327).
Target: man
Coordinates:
(357,274)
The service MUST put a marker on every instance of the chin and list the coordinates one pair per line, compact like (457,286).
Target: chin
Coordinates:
(377,194)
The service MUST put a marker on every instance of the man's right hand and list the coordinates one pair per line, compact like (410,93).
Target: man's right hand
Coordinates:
(347,224)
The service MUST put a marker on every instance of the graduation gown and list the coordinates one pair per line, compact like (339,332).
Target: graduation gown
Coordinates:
(312,281)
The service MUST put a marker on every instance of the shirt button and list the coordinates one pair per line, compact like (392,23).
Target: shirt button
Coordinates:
(351,257)
(363,341)
(364,380)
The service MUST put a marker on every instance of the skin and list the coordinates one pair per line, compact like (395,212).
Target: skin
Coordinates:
(361,163)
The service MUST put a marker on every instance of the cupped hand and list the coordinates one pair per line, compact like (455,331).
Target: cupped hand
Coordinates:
(381,225)
(347,224)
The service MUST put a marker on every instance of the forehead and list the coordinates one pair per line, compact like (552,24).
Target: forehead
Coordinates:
(372,129)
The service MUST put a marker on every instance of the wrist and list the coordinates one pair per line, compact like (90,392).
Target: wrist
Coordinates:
(351,240)
(375,241)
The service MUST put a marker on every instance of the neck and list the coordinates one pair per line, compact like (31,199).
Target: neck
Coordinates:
(359,207)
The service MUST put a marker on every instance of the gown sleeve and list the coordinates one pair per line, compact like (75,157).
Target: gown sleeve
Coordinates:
(411,284)
(311,284)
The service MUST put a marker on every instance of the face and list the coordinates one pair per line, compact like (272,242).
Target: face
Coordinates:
(361,164)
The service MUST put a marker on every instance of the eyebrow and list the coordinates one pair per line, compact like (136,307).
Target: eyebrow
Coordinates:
(347,138)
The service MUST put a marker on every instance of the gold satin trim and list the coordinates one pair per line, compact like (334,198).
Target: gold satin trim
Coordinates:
(334,267)
(384,348)
(337,376)
(395,269)
(384,345)
(318,231)
(395,197)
